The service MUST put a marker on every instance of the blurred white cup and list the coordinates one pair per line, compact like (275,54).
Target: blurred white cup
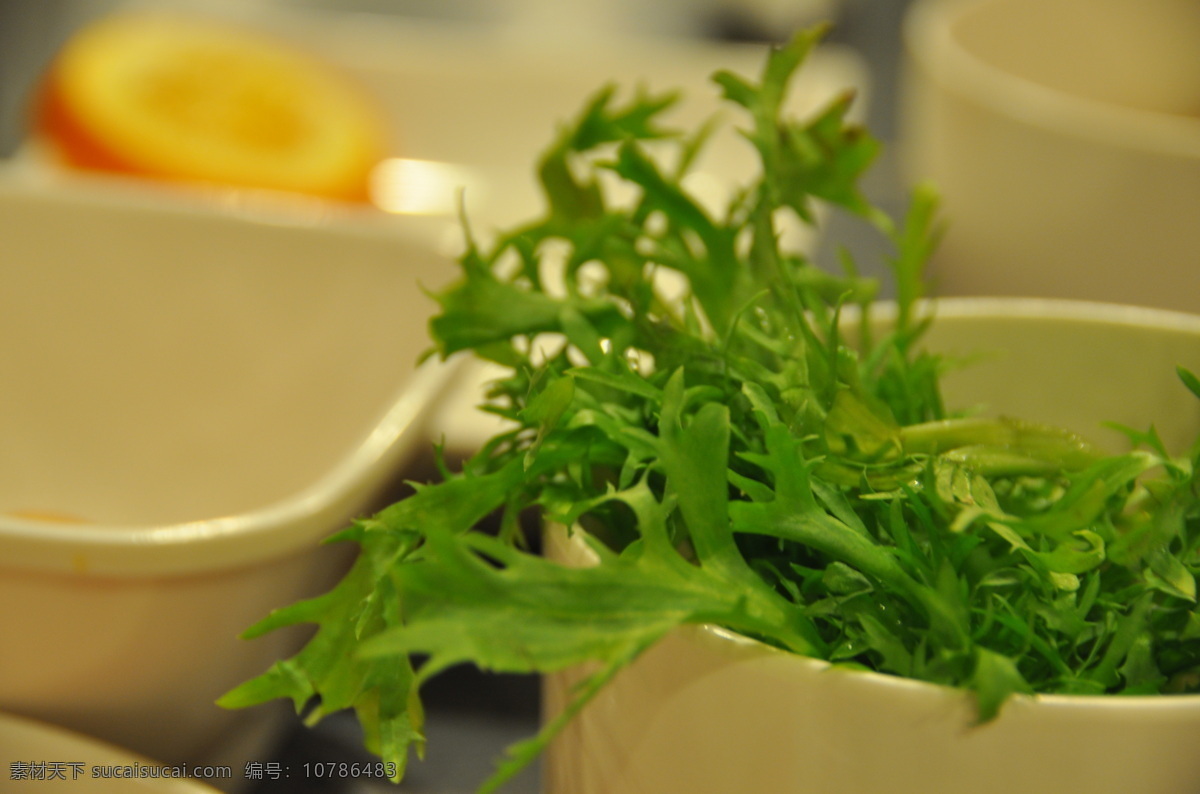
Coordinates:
(1064,137)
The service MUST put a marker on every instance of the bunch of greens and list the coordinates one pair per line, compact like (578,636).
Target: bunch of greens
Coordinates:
(745,455)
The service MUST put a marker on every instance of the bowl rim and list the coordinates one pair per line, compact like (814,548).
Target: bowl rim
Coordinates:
(931,45)
(274,530)
(712,634)
(976,307)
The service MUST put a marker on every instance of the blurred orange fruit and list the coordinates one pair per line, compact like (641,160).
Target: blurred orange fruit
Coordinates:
(195,100)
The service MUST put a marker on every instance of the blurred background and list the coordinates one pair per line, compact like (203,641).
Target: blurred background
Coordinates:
(31,32)
(1051,189)
(867,34)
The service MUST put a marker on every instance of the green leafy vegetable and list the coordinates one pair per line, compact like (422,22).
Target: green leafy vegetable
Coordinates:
(743,455)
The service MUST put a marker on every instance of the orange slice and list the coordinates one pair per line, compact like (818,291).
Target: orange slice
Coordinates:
(196,100)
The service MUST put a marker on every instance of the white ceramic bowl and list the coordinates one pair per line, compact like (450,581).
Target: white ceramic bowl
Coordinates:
(708,712)
(47,758)
(1064,136)
(212,395)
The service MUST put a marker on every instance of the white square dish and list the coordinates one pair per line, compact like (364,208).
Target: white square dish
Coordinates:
(192,401)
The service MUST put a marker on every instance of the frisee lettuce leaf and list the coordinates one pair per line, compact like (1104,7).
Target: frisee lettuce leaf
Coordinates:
(733,457)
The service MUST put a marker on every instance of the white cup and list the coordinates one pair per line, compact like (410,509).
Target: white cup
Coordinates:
(1064,137)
